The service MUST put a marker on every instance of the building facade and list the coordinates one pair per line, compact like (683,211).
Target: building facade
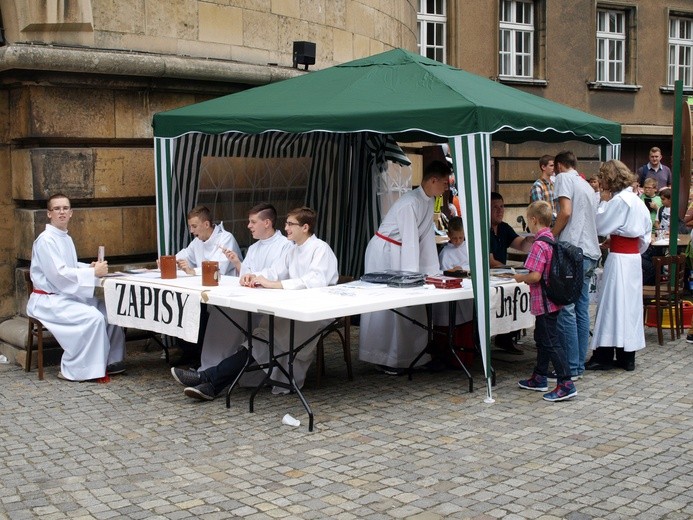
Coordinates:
(615,59)
(81,79)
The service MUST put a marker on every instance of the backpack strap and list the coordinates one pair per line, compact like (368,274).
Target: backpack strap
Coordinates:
(546,240)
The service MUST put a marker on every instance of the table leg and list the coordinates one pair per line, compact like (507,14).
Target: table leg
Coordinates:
(249,336)
(292,381)
(270,366)
(452,315)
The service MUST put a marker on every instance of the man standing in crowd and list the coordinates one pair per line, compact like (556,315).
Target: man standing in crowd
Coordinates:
(404,241)
(209,243)
(308,263)
(63,300)
(576,225)
(542,189)
(222,338)
(655,169)
(502,237)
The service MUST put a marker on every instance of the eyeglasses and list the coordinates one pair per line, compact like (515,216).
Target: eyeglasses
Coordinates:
(59,209)
(292,223)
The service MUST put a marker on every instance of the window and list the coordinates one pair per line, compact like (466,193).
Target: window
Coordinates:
(680,51)
(516,54)
(431,22)
(611,46)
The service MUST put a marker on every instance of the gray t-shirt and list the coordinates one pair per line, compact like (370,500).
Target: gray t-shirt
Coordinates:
(581,229)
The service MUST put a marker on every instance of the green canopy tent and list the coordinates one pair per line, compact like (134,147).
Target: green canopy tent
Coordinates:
(346,118)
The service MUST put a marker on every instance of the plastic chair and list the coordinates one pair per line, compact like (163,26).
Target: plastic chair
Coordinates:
(342,327)
(667,293)
(36,330)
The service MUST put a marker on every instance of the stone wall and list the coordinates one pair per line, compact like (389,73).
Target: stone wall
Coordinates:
(81,79)
(248,31)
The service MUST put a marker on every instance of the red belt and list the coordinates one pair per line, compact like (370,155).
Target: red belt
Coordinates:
(388,239)
(627,245)
(39,291)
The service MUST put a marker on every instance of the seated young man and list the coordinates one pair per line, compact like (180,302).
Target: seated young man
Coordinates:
(63,300)
(222,338)
(308,263)
(209,243)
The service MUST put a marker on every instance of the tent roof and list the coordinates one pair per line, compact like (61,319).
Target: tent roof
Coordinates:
(396,92)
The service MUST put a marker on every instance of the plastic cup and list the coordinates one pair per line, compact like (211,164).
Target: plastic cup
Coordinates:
(210,273)
(167,265)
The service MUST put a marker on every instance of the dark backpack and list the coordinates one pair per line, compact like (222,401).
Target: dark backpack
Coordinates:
(565,273)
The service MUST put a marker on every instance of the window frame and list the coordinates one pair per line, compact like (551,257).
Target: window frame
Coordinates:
(612,40)
(424,20)
(628,41)
(675,46)
(508,58)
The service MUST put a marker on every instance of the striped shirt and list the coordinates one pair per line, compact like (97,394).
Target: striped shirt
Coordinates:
(543,190)
(539,260)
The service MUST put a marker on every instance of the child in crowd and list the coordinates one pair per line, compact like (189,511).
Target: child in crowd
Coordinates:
(546,311)
(455,256)
(651,199)
(663,221)
(594,182)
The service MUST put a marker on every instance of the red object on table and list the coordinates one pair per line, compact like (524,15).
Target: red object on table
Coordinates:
(444,282)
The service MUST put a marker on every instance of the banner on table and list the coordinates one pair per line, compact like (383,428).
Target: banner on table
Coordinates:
(510,308)
(169,310)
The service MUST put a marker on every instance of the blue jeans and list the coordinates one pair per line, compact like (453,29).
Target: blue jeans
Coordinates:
(549,348)
(574,323)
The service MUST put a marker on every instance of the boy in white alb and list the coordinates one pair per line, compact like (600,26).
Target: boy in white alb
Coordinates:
(222,338)
(63,300)
(454,257)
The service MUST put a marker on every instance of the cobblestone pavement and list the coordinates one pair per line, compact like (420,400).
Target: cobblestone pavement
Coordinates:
(383,446)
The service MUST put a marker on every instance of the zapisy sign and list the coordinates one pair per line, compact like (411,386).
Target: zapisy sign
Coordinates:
(169,310)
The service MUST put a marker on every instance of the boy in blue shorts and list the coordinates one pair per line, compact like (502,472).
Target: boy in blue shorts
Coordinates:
(549,348)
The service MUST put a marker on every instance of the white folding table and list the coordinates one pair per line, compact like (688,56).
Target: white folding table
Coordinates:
(306,305)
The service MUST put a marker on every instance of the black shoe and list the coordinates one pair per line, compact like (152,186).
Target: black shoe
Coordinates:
(392,371)
(509,347)
(203,392)
(628,366)
(186,377)
(115,368)
(185,359)
(594,365)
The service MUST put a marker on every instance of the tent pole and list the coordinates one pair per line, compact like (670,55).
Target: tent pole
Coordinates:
(676,166)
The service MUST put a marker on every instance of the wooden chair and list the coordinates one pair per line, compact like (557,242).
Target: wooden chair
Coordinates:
(342,327)
(36,330)
(667,293)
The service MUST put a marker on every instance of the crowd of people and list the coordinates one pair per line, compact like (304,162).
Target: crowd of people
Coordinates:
(563,206)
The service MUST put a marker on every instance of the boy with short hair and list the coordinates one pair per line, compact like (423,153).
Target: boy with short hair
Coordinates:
(455,256)
(549,348)
(663,221)
(651,199)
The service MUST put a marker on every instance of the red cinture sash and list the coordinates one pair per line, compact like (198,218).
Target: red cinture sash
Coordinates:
(626,245)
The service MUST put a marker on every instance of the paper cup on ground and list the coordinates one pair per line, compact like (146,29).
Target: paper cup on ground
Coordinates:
(290,421)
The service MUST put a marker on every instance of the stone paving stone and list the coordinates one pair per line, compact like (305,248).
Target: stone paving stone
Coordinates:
(382,447)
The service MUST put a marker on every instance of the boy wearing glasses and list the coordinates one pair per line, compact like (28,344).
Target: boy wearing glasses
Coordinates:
(63,300)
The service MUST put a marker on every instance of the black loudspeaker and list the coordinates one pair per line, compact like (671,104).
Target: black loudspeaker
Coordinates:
(304,54)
